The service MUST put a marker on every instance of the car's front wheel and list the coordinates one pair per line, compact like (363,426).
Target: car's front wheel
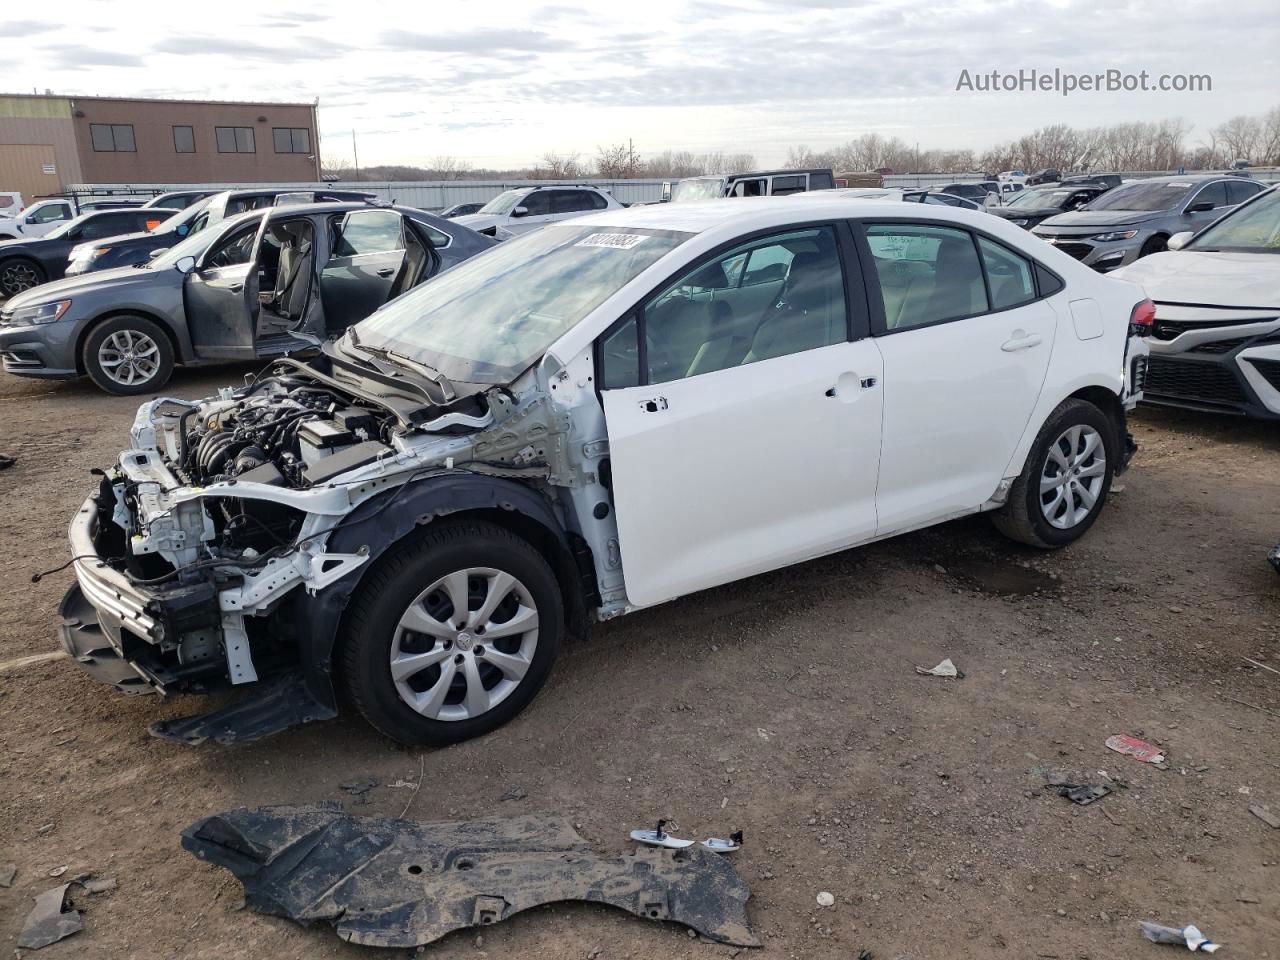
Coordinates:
(128,355)
(1064,483)
(453,634)
(18,274)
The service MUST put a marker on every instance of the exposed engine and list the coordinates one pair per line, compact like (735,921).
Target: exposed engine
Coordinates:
(286,432)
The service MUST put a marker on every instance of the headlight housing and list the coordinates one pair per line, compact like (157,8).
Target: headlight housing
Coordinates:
(1116,235)
(1018,223)
(40,313)
(86,251)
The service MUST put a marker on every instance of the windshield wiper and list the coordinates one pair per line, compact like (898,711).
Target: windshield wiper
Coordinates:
(429,373)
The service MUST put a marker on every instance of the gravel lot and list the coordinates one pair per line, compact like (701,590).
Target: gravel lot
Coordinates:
(785,705)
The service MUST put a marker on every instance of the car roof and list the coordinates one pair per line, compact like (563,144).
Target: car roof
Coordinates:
(747,213)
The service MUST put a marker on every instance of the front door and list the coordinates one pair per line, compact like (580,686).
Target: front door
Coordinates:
(966,340)
(744,431)
(221,295)
(367,253)
(538,213)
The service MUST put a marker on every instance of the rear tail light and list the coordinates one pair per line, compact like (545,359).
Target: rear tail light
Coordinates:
(1142,319)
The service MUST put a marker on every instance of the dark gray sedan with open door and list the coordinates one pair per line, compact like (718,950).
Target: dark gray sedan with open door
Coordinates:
(266,283)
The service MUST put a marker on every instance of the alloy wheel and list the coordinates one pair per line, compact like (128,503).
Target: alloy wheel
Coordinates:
(1072,476)
(16,277)
(464,644)
(129,357)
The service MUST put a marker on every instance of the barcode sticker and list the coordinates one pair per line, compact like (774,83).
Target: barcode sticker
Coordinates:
(619,241)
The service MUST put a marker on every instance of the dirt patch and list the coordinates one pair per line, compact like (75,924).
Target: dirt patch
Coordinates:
(786,705)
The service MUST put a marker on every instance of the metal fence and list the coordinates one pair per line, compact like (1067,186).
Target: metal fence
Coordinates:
(423,194)
(438,194)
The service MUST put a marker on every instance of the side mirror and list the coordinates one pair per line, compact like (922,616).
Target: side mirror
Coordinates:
(155,253)
(1200,206)
(182,229)
(185,265)
(520,212)
(1179,240)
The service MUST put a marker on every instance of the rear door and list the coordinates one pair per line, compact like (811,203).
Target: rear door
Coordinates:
(966,341)
(367,250)
(221,295)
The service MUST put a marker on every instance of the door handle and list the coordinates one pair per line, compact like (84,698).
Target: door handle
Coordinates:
(236,287)
(1022,341)
(386,271)
(653,404)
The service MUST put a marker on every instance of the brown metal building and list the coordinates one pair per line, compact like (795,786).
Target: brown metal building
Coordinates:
(48,142)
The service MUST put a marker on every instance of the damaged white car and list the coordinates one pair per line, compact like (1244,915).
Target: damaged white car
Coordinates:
(588,420)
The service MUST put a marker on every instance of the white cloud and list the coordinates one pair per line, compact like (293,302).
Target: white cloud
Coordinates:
(501,83)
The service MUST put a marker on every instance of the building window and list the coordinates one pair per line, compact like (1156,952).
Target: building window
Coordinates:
(235,139)
(112,137)
(184,139)
(292,139)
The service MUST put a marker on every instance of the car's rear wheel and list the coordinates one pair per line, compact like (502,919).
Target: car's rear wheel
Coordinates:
(128,355)
(1064,483)
(18,274)
(453,634)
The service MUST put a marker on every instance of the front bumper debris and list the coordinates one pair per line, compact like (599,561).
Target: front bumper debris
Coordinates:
(270,709)
(399,883)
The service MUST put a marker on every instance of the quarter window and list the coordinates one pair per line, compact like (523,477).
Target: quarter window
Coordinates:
(1010,277)
(767,298)
(927,274)
(620,357)
(184,140)
(235,139)
(292,139)
(375,231)
(112,137)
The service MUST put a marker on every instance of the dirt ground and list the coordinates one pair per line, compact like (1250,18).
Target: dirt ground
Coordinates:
(785,706)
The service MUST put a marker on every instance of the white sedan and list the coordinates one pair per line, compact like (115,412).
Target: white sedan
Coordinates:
(596,417)
(1215,344)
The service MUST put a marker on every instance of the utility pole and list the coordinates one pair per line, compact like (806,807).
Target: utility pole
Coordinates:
(355,153)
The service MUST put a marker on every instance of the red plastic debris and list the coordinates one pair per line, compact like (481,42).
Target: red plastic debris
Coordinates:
(1138,749)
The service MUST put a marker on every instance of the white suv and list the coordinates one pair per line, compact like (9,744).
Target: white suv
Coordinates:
(528,208)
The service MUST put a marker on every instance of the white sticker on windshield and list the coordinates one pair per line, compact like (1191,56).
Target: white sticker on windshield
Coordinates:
(619,241)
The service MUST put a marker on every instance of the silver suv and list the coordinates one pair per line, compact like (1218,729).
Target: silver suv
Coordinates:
(528,208)
(1137,219)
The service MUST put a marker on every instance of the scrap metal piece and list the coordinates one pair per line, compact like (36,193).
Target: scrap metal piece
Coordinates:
(50,920)
(659,838)
(385,882)
(1081,793)
(277,707)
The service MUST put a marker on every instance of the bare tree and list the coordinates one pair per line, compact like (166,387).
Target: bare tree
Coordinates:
(557,166)
(617,162)
(1240,137)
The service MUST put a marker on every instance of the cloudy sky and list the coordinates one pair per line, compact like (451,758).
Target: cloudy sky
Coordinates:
(499,84)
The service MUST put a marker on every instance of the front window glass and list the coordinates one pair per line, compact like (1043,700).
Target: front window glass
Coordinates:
(487,319)
(927,274)
(193,245)
(699,189)
(1254,228)
(503,203)
(768,298)
(1146,195)
(66,227)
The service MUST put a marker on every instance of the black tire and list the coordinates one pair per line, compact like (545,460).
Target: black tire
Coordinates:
(371,624)
(18,274)
(1022,517)
(131,326)
(1156,244)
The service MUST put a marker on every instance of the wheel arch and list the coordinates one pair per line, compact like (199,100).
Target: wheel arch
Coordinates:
(180,354)
(1105,397)
(380,524)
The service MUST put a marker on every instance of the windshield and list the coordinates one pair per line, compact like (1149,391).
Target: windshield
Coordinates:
(503,202)
(190,246)
(1040,198)
(698,189)
(183,216)
(1253,227)
(1152,195)
(489,318)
